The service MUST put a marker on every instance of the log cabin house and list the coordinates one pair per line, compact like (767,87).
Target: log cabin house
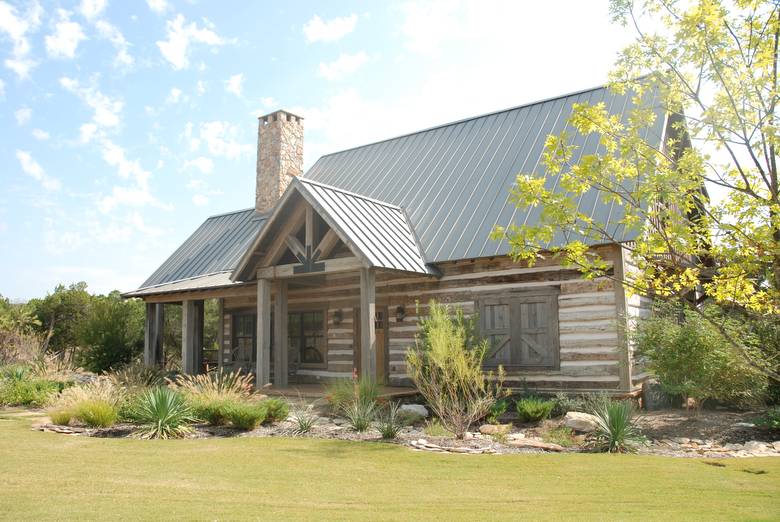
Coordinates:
(325,275)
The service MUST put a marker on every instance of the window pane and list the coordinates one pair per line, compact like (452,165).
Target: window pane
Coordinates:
(307,336)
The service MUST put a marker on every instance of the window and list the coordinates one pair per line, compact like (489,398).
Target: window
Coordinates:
(244,347)
(306,337)
(521,329)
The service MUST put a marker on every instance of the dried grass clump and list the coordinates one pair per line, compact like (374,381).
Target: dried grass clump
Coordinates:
(215,385)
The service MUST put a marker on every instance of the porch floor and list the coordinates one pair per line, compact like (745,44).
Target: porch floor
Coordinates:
(319,391)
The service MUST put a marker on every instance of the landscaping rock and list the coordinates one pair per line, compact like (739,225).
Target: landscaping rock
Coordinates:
(754,446)
(494,429)
(419,409)
(535,444)
(744,425)
(582,422)
(776,445)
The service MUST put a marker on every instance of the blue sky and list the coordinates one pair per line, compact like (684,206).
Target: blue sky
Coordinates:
(126,124)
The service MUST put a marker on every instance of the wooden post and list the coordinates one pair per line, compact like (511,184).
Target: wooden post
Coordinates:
(263,375)
(188,337)
(153,334)
(220,332)
(198,336)
(280,335)
(621,307)
(367,326)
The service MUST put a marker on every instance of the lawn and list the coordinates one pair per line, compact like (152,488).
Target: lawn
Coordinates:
(52,476)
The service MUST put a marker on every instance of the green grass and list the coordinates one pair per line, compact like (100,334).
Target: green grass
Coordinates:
(47,476)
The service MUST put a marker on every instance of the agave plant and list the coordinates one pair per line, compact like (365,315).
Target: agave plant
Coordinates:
(616,430)
(162,413)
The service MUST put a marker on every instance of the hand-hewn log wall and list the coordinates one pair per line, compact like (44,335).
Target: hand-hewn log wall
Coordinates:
(591,347)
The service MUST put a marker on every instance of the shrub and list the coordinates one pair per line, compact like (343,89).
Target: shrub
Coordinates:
(435,428)
(96,413)
(770,419)
(61,416)
(215,411)
(276,410)
(246,416)
(497,409)
(389,421)
(111,334)
(360,414)
(28,392)
(534,409)
(343,391)
(409,418)
(692,358)
(162,413)
(446,366)
(560,435)
(616,430)
(217,384)
(565,403)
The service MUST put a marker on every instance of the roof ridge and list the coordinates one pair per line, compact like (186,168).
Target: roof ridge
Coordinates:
(350,193)
(470,118)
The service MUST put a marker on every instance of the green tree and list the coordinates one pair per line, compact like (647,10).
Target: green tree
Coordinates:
(712,66)
(111,334)
(60,315)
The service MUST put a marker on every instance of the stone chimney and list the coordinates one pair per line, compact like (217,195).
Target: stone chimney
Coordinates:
(279,156)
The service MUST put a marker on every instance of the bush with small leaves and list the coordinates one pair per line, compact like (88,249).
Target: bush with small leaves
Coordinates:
(246,416)
(533,409)
(497,409)
(276,410)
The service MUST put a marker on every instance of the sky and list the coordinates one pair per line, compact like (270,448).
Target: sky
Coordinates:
(126,124)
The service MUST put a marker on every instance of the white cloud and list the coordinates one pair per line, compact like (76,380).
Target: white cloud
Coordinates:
(200,200)
(111,33)
(343,65)
(425,37)
(235,84)
(92,8)
(158,6)
(319,30)
(66,37)
(174,96)
(2,88)
(180,36)
(16,27)
(137,194)
(40,134)
(201,163)
(221,139)
(23,115)
(200,87)
(87,132)
(106,109)
(33,169)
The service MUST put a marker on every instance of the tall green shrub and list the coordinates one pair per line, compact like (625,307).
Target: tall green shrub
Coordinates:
(111,335)
(446,366)
(691,356)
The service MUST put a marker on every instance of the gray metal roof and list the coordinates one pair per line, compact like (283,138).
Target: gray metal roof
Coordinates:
(446,187)
(377,232)
(453,181)
(218,280)
(216,246)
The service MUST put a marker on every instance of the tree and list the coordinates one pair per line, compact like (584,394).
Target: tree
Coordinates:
(712,66)
(111,334)
(60,315)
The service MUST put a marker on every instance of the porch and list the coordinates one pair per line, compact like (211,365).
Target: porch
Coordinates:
(320,391)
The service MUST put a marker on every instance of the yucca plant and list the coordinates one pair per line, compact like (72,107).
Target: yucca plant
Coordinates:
(360,414)
(616,430)
(162,413)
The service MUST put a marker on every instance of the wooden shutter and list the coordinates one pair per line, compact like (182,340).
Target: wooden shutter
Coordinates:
(495,315)
(535,331)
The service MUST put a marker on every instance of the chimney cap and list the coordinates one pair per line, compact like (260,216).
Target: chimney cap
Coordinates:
(268,116)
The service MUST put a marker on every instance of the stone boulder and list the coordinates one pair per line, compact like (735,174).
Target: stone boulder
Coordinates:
(535,444)
(494,429)
(418,409)
(582,422)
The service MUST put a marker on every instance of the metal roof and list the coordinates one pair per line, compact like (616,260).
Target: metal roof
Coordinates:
(453,181)
(378,233)
(445,187)
(216,246)
(218,280)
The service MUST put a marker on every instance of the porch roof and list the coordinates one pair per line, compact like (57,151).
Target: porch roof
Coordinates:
(377,232)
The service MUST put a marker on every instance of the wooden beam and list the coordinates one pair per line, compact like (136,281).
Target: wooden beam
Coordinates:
(622,310)
(263,374)
(200,311)
(150,355)
(343,264)
(276,249)
(220,331)
(367,326)
(309,227)
(296,248)
(326,246)
(188,337)
(280,335)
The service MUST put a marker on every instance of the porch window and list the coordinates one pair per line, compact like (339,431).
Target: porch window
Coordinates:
(306,336)
(244,346)
(521,329)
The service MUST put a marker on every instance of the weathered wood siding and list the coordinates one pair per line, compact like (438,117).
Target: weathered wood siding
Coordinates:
(592,349)
(637,307)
